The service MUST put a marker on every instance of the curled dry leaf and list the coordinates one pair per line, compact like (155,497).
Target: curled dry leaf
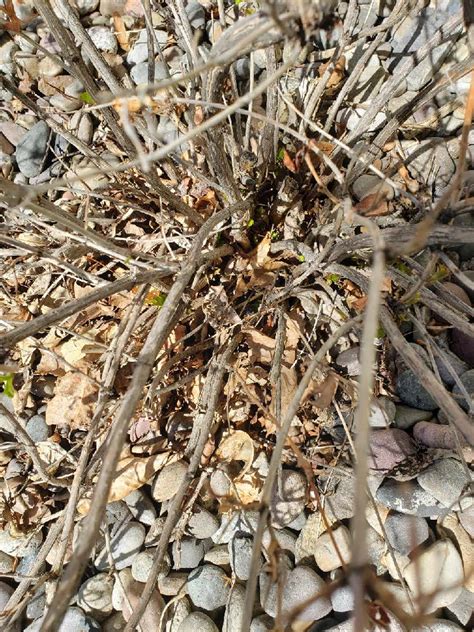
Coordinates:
(73,402)
(132,473)
(237,447)
(52,455)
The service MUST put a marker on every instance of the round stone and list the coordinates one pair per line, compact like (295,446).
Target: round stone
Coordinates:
(408,499)
(103,38)
(388,448)
(289,499)
(369,184)
(467,380)
(95,596)
(168,481)
(262,623)
(141,507)
(187,553)
(325,554)
(462,344)
(240,552)
(32,150)
(198,621)
(235,608)
(38,429)
(139,51)
(208,587)
(412,392)
(405,532)
(124,546)
(406,416)
(202,524)
(141,565)
(445,480)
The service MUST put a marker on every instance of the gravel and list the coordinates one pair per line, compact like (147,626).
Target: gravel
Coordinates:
(75,620)
(198,621)
(38,429)
(325,553)
(388,448)
(235,608)
(95,596)
(408,499)
(103,38)
(168,481)
(209,587)
(445,480)
(240,553)
(406,416)
(467,380)
(289,501)
(187,553)
(141,507)
(139,51)
(202,524)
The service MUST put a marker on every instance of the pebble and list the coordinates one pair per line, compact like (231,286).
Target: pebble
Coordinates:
(436,575)
(196,14)
(388,448)
(65,103)
(463,607)
(434,435)
(81,124)
(288,502)
(124,546)
(463,345)
(6,592)
(139,51)
(325,553)
(36,604)
(115,623)
(245,521)
(20,546)
(449,359)
(117,514)
(369,184)
(173,584)
(178,610)
(103,38)
(429,162)
(240,553)
(12,132)
(7,563)
(127,594)
(168,481)
(139,73)
(466,518)
(7,50)
(350,117)
(342,599)
(95,596)
(75,620)
(32,150)
(234,611)
(143,562)
(86,6)
(467,380)
(218,555)
(284,538)
(412,392)
(440,625)
(187,553)
(406,416)
(262,623)
(202,524)
(299,585)
(38,429)
(198,621)
(382,412)
(208,587)
(408,498)
(405,532)
(141,507)
(349,360)
(445,480)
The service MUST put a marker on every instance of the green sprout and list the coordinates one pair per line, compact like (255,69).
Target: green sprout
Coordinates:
(7,381)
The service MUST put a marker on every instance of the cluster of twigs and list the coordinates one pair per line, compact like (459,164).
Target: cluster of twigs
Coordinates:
(193,247)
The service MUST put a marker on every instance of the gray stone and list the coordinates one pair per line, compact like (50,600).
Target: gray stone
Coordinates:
(382,412)
(262,623)
(445,480)
(103,38)
(36,604)
(408,498)
(405,532)
(187,553)
(155,532)
(283,538)
(430,163)
(139,73)
(240,552)
(349,360)
(218,555)
(141,507)
(406,416)
(65,103)
(369,84)
(440,625)
(117,513)
(245,521)
(38,429)
(173,584)
(463,607)
(20,546)
(300,585)
(74,620)
(235,608)
(126,596)
(242,68)
(178,610)
(196,14)
(81,124)
(124,546)
(202,524)
(115,623)
(198,621)
(350,117)
(7,563)
(342,599)
(7,50)
(209,587)
(412,392)
(95,596)
(139,51)
(86,6)
(289,500)
(143,562)
(467,380)
(32,150)
(463,346)
(369,184)
(325,553)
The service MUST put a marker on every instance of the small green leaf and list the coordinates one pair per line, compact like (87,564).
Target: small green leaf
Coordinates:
(7,381)
(301,258)
(332,278)
(250,223)
(86,98)
(280,155)
(158,300)
(380,332)
(274,235)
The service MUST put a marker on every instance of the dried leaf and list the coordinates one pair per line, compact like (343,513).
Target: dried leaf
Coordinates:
(237,447)
(373,205)
(73,401)
(13,23)
(132,473)
(52,454)
(289,162)
(121,32)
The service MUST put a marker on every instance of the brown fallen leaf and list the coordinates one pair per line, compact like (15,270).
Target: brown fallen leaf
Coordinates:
(121,32)
(73,401)
(132,473)
(373,205)
(238,446)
